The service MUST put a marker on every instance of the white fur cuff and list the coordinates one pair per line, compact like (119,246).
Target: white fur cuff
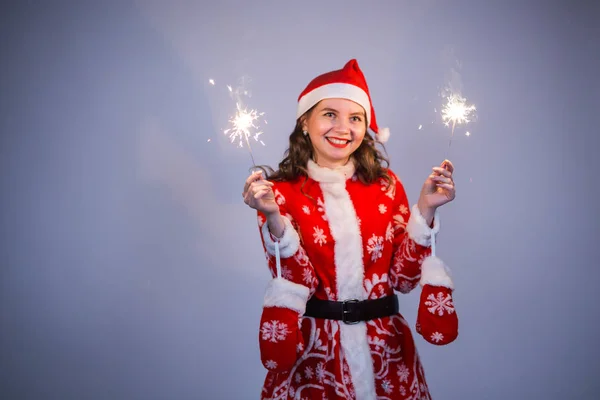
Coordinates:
(288,243)
(417,227)
(287,294)
(435,273)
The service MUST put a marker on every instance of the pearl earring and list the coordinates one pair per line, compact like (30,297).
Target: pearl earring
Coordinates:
(305,133)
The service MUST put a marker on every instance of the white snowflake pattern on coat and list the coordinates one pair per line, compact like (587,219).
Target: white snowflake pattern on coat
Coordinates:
(403,274)
(375,247)
(402,390)
(382,208)
(389,233)
(308,278)
(319,236)
(399,222)
(329,293)
(308,373)
(301,258)
(321,208)
(403,373)
(370,284)
(389,191)
(320,372)
(279,199)
(387,386)
(306,209)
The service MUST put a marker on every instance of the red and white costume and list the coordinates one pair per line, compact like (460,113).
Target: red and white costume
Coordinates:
(344,240)
(351,241)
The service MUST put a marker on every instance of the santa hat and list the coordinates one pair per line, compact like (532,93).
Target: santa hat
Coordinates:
(346,83)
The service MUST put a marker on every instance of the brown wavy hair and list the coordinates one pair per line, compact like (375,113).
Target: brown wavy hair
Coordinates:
(371,165)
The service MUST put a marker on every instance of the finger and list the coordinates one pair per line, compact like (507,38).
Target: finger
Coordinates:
(255,187)
(265,182)
(442,179)
(261,193)
(247,196)
(442,171)
(445,186)
(447,165)
(261,182)
(253,176)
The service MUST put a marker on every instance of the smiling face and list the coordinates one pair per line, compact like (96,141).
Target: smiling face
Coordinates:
(336,128)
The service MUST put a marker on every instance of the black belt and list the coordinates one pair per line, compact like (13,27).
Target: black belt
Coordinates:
(352,311)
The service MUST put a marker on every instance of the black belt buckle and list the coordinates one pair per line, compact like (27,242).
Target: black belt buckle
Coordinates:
(345,311)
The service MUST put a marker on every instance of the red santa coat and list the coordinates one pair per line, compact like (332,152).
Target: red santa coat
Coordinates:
(345,240)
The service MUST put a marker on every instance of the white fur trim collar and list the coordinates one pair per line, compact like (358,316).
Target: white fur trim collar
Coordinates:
(329,175)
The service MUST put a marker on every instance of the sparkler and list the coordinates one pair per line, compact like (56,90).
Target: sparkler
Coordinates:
(456,111)
(244,124)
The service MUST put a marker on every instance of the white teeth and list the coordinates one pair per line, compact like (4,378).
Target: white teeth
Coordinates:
(337,141)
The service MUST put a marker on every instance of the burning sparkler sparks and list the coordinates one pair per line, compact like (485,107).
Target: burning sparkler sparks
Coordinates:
(244,124)
(456,112)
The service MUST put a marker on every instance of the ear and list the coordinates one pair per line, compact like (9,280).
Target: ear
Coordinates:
(303,122)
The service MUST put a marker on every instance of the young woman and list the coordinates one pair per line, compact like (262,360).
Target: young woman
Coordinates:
(340,238)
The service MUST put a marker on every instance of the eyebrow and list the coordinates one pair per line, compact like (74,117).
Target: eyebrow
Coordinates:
(361,113)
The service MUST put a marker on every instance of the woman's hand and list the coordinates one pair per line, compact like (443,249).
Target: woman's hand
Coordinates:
(258,194)
(437,190)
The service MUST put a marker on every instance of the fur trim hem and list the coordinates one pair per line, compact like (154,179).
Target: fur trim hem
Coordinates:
(435,273)
(417,227)
(355,344)
(288,243)
(286,294)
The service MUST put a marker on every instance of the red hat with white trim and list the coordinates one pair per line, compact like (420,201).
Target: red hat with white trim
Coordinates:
(346,83)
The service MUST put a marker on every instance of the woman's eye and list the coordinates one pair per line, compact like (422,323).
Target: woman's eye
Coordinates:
(356,119)
(329,114)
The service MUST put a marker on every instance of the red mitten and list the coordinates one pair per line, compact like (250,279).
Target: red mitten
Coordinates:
(437,320)
(280,337)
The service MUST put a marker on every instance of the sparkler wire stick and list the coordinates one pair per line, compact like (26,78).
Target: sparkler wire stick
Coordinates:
(452,134)
(250,150)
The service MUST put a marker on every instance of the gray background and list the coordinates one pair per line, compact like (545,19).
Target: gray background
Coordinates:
(130,267)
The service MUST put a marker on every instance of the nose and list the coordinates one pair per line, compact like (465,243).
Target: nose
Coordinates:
(343,126)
